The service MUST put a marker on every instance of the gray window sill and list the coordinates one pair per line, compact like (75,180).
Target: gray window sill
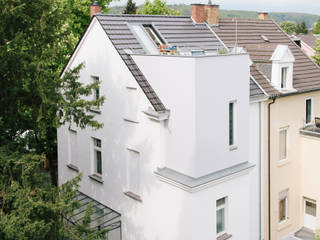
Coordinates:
(96,178)
(73,167)
(95,110)
(224,236)
(232,148)
(133,196)
(130,120)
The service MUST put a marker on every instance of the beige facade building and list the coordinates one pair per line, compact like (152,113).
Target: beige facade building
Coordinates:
(291,80)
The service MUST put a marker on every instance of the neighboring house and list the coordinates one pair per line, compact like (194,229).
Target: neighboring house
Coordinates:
(180,151)
(292,82)
(307,42)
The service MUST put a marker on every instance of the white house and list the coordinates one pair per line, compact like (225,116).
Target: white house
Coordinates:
(180,151)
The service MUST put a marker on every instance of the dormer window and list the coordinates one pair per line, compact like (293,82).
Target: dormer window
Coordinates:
(282,68)
(284,71)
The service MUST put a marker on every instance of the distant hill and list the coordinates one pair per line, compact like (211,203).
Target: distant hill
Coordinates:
(277,16)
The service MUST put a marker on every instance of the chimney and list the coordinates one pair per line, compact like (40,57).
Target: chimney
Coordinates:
(263,15)
(95,8)
(198,13)
(212,14)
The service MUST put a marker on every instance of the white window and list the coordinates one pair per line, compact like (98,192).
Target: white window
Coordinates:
(283,206)
(232,124)
(133,172)
(96,92)
(73,148)
(97,156)
(308,110)
(283,144)
(154,35)
(284,73)
(221,213)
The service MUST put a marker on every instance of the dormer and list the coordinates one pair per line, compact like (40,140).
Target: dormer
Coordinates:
(282,68)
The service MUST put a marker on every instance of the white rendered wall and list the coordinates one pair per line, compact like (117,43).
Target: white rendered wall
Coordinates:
(197,90)
(166,212)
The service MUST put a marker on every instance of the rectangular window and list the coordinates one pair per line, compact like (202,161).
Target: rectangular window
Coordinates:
(221,216)
(73,147)
(153,34)
(133,172)
(283,206)
(283,144)
(284,71)
(96,93)
(308,111)
(97,155)
(232,123)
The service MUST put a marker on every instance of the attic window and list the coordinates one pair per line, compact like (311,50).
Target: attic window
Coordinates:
(153,34)
(265,38)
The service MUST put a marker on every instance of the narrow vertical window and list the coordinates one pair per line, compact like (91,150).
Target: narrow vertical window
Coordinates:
(221,216)
(308,111)
(231,123)
(284,71)
(283,206)
(73,147)
(133,172)
(283,144)
(153,34)
(97,156)
(96,93)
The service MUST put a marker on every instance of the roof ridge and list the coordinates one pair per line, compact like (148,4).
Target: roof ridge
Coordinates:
(251,19)
(141,15)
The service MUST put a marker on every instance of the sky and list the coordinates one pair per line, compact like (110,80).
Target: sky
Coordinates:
(303,6)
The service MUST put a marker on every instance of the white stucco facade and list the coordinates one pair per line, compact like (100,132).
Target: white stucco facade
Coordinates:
(193,142)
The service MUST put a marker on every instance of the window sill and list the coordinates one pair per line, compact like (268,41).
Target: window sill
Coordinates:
(224,236)
(95,110)
(283,162)
(284,224)
(73,167)
(96,178)
(130,120)
(133,196)
(232,148)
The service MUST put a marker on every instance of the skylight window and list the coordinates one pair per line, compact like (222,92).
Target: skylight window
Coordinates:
(153,34)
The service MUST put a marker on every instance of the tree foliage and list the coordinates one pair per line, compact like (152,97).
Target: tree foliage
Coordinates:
(157,7)
(302,28)
(130,8)
(31,208)
(316,27)
(288,27)
(316,57)
(36,39)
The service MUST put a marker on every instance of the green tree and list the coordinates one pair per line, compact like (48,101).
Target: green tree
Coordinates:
(316,57)
(36,40)
(31,208)
(288,27)
(302,28)
(157,7)
(316,27)
(130,8)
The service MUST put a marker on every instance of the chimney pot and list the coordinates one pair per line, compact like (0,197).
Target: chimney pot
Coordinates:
(263,15)
(198,13)
(95,8)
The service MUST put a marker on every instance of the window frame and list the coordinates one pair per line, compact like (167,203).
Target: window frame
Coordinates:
(284,82)
(286,145)
(95,149)
(70,160)
(155,34)
(225,207)
(95,79)
(232,145)
(311,110)
(286,198)
(130,176)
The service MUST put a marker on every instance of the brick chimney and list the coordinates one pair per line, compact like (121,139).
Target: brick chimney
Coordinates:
(212,14)
(198,13)
(95,8)
(263,15)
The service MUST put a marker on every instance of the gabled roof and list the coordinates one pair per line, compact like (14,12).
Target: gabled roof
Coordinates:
(282,54)
(176,30)
(260,38)
(309,39)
